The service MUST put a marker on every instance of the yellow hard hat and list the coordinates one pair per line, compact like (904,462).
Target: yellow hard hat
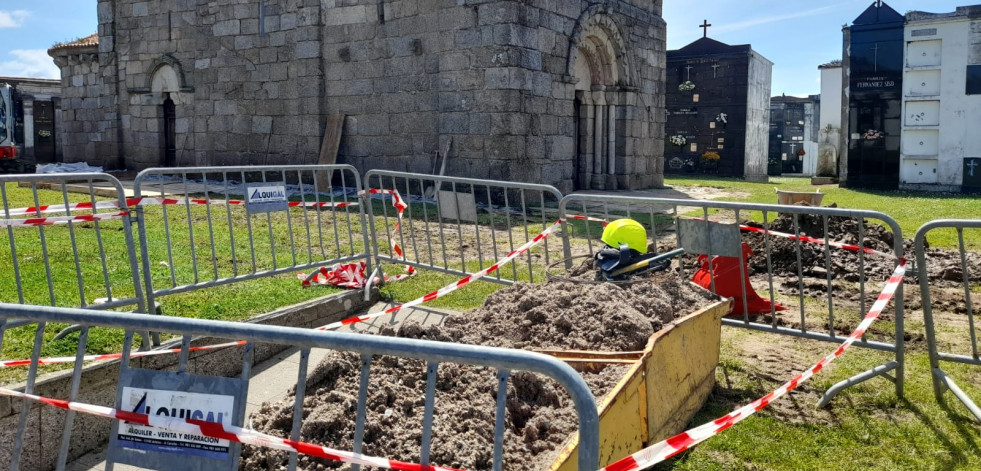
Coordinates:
(626,231)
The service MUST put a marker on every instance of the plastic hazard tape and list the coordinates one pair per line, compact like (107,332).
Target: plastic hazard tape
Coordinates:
(348,275)
(452,286)
(113,356)
(353,275)
(58,220)
(587,218)
(155,201)
(815,240)
(226,432)
(683,441)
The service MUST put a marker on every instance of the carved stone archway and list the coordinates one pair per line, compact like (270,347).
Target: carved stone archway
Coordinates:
(598,63)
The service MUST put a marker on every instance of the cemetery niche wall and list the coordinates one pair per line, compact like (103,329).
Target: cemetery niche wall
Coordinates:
(718,104)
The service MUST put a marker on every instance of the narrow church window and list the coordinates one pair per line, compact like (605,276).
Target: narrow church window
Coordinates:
(381,11)
(262,18)
(170,26)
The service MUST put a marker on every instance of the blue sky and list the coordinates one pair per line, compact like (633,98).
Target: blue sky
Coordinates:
(797,35)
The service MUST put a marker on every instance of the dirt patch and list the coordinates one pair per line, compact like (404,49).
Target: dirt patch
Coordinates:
(560,314)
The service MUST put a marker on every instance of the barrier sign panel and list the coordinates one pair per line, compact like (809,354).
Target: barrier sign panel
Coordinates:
(180,396)
(185,405)
(266,198)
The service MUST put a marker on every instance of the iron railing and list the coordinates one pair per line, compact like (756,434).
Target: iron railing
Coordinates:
(942,382)
(804,268)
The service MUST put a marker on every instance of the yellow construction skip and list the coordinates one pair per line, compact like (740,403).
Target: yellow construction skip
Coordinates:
(666,386)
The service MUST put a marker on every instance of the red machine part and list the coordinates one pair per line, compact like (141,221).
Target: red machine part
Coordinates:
(9,152)
(728,283)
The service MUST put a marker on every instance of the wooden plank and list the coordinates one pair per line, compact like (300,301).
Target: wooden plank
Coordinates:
(328,149)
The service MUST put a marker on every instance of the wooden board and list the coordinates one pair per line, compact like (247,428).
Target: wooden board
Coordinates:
(328,149)
(661,392)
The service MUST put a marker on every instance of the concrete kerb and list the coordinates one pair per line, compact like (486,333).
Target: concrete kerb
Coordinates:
(99,381)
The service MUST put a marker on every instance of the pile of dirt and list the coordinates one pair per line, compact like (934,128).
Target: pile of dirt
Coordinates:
(563,314)
(943,265)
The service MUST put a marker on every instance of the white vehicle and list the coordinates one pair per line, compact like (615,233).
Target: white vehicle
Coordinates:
(8,148)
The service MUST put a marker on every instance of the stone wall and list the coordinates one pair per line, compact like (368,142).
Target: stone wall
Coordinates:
(493,77)
(87,120)
(253,82)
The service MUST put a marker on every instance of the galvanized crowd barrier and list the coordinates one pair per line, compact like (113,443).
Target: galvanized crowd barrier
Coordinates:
(224,225)
(660,217)
(68,241)
(504,361)
(463,225)
(942,382)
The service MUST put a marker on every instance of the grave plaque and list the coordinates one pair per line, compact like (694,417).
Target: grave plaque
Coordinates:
(972,174)
(181,396)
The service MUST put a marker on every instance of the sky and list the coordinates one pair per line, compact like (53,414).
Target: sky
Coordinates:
(796,35)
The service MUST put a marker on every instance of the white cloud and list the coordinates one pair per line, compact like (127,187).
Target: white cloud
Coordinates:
(13,19)
(772,19)
(34,63)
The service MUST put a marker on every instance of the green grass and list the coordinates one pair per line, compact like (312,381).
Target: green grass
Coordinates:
(866,427)
(910,209)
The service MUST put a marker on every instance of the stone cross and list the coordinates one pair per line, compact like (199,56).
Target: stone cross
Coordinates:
(972,165)
(705,28)
(715,70)
(688,71)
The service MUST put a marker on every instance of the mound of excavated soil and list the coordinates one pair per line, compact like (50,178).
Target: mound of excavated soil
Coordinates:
(540,416)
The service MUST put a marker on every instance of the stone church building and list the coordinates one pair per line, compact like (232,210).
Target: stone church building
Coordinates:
(568,93)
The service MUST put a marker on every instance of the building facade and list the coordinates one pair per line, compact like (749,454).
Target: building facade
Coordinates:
(914,98)
(830,134)
(794,135)
(941,148)
(565,93)
(718,101)
(36,102)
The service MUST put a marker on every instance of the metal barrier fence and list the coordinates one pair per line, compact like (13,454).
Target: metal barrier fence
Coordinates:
(805,274)
(433,353)
(69,238)
(463,225)
(942,382)
(213,233)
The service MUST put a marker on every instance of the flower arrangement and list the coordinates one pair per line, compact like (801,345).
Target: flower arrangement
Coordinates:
(800,152)
(686,86)
(711,156)
(722,118)
(44,133)
(872,135)
(678,140)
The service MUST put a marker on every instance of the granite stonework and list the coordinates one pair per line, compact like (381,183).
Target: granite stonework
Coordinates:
(524,89)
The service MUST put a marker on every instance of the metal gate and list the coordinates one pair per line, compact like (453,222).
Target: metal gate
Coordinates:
(806,270)
(463,225)
(69,238)
(969,356)
(215,233)
(370,348)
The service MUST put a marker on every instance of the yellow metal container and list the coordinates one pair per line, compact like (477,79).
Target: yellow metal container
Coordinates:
(660,393)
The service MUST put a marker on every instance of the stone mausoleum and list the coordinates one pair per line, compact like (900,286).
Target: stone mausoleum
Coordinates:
(568,93)
(718,104)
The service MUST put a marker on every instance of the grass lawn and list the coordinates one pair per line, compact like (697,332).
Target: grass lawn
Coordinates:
(866,427)
(910,210)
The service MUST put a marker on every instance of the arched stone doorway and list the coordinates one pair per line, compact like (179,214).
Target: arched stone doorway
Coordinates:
(598,65)
(164,83)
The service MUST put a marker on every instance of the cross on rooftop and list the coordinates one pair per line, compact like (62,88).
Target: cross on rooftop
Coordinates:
(705,28)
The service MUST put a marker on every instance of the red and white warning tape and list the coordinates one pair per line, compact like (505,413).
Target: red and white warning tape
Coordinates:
(683,441)
(452,286)
(815,240)
(226,432)
(353,275)
(580,217)
(113,356)
(134,202)
(58,220)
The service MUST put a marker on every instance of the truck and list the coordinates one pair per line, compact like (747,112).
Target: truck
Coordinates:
(8,147)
